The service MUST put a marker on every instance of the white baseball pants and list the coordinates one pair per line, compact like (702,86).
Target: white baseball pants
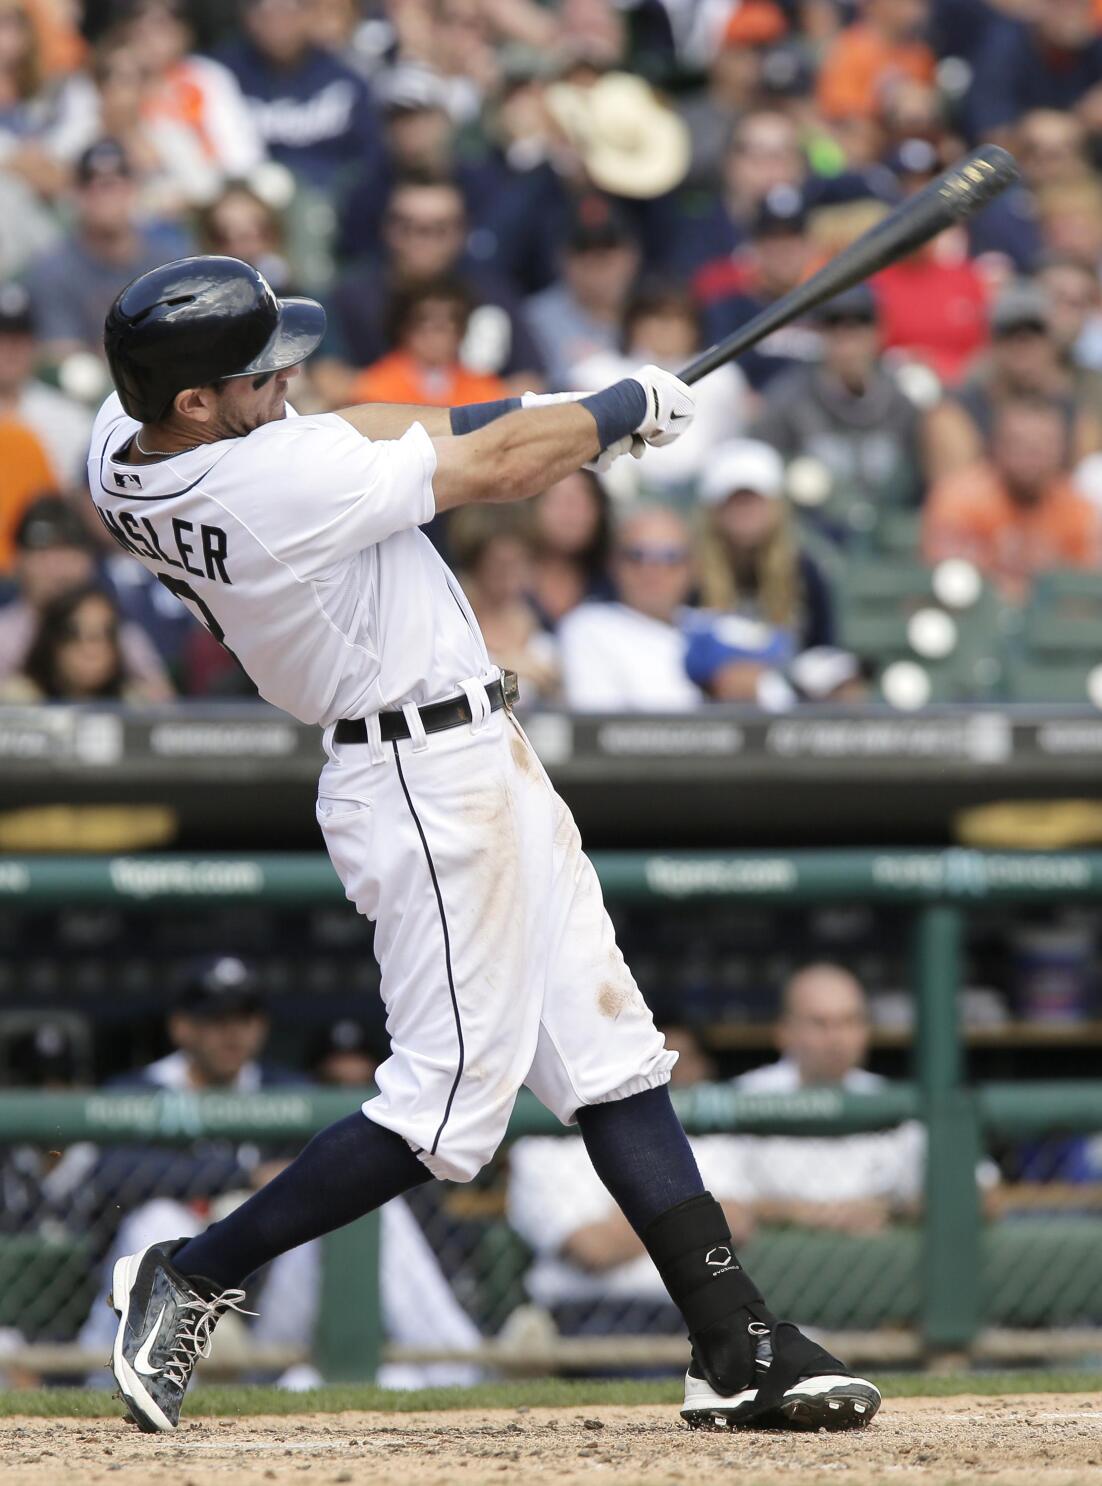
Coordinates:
(499,962)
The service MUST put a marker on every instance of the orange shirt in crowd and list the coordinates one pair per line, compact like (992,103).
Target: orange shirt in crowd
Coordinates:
(25,472)
(399,378)
(970,514)
(860,64)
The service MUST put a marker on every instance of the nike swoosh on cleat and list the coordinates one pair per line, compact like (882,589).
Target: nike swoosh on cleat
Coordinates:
(141,1361)
(654,394)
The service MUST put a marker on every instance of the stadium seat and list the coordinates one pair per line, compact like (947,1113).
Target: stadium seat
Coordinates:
(1044,1271)
(878,599)
(1064,616)
(899,534)
(46,1283)
(1031,680)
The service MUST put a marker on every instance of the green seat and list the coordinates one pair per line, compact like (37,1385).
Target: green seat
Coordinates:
(951,680)
(899,534)
(1043,1271)
(1031,680)
(1064,616)
(46,1285)
(877,600)
(838,1281)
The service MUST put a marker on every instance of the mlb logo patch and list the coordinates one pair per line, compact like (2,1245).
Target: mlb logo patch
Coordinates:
(123,481)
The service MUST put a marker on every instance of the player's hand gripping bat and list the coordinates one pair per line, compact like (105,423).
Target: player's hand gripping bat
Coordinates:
(955,196)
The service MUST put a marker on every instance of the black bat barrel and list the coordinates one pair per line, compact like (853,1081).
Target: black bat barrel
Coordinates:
(957,194)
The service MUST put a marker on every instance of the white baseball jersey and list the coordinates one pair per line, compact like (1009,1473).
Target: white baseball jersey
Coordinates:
(297,546)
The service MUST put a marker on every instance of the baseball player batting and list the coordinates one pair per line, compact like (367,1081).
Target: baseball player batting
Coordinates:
(297,542)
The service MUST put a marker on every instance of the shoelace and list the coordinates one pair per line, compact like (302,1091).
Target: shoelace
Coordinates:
(189,1346)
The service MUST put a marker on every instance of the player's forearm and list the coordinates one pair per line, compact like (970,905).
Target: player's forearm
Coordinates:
(515,457)
(390,420)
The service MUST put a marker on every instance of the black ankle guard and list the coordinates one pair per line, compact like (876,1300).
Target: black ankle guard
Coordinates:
(795,1356)
(692,1250)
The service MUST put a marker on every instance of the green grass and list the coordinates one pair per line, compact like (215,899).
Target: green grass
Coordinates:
(527,1393)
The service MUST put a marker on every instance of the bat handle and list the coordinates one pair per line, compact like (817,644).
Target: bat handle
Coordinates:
(706,362)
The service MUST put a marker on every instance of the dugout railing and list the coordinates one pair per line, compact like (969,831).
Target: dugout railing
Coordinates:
(945,1275)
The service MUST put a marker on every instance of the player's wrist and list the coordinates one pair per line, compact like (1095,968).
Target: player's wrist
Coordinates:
(617,410)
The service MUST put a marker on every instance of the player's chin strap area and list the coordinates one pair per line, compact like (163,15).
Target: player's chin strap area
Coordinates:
(436,717)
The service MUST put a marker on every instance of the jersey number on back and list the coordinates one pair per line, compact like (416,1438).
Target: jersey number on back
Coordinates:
(185,591)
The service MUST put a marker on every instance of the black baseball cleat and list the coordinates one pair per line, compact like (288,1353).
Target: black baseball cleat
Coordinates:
(166,1324)
(798,1385)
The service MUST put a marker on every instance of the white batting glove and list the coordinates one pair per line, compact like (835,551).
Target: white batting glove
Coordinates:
(607,457)
(670,406)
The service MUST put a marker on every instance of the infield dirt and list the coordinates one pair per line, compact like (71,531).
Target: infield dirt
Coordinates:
(1036,1440)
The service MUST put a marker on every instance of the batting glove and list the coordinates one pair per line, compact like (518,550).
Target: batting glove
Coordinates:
(670,406)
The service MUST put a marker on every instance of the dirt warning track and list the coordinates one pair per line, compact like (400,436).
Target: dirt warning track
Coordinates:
(1033,1440)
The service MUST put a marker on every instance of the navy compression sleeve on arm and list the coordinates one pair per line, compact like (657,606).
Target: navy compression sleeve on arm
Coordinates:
(478,414)
(618,410)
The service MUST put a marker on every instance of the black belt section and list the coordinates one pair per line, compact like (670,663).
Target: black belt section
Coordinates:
(437,717)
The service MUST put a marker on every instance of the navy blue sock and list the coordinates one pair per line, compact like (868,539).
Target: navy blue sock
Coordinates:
(641,1153)
(347,1170)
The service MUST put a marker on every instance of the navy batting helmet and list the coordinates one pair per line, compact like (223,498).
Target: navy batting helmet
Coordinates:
(198,321)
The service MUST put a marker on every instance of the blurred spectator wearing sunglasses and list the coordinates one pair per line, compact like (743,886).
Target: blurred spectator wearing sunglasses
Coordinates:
(629,655)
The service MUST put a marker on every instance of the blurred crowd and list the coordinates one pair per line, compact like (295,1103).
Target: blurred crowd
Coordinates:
(491,196)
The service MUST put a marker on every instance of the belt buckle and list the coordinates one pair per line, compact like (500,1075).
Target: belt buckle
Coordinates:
(510,689)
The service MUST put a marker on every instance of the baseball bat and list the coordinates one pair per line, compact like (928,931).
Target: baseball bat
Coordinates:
(956,195)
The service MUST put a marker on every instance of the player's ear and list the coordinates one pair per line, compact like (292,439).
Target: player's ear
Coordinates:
(196,403)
